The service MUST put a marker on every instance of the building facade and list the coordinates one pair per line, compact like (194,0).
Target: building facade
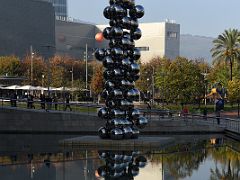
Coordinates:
(60,7)
(158,40)
(26,23)
(73,38)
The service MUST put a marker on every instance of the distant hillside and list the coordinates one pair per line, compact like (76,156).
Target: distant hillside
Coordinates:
(196,47)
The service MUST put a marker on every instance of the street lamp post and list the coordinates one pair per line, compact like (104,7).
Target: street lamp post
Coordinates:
(153,85)
(86,59)
(72,80)
(205,93)
(31,56)
(238,101)
(48,68)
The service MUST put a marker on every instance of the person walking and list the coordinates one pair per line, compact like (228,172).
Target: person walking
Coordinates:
(42,101)
(67,103)
(55,101)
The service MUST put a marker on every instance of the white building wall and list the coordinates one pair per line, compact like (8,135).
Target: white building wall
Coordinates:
(158,39)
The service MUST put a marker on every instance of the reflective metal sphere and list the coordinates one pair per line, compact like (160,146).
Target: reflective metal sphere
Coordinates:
(115,113)
(134,114)
(141,161)
(127,158)
(109,85)
(117,53)
(135,68)
(104,94)
(102,154)
(135,132)
(106,12)
(116,94)
(103,113)
(116,134)
(115,156)
(141,122)
(103,133)
(133,170)
(137,12)
(134,24)
(100,54)
(127,131)
(102,171)
(136,54)
(136,34)
(126,63)
(108,62)
(117,32)
(107,33)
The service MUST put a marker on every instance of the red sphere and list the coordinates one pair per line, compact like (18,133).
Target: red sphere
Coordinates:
(99,37)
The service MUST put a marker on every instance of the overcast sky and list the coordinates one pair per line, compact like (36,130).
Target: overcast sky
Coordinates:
(197,17)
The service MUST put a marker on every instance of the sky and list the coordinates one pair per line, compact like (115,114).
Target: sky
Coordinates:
(197,17)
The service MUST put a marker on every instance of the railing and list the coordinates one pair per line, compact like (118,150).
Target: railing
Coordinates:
(229,124)
(77,107)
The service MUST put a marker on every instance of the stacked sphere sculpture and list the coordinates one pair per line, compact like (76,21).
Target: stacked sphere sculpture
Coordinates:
(121,71)
(120,165)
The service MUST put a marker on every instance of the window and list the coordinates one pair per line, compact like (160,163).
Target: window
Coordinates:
(172,34)
(143,48)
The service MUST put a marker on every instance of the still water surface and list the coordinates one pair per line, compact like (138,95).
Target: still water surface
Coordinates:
(39,157)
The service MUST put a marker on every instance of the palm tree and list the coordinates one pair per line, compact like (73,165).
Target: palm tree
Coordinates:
(226,47)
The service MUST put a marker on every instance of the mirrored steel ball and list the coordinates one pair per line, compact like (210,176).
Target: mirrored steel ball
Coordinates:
(115,113)
(117,53)
(100,54)
(116,134)
(125,22)
(135,68)
(107,33)
(126,63)
(134,114)
(127,157)
(117,32)
(134,24)
(116,94)
(109,85)
(136,54)
(133,170)
(127,131)
(110,103)
(135,132)
(108,62)
(104,94)
(106,12)
(116,156)
(136,34)
(141,122)
(103,133)
(102,154)
(102,171)
(137,12)
(103,113)
(141,161)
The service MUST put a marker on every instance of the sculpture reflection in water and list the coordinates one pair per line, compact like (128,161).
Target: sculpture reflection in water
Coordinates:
(120,165)
(121,71)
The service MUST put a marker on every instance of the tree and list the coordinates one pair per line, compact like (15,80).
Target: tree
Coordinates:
(39,69)
(10,66)
(182,80)
(226,48)
(234,90)
(97,80)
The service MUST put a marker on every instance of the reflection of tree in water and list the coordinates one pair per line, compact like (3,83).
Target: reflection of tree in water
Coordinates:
(227,164)
(183,159)
(182,165)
